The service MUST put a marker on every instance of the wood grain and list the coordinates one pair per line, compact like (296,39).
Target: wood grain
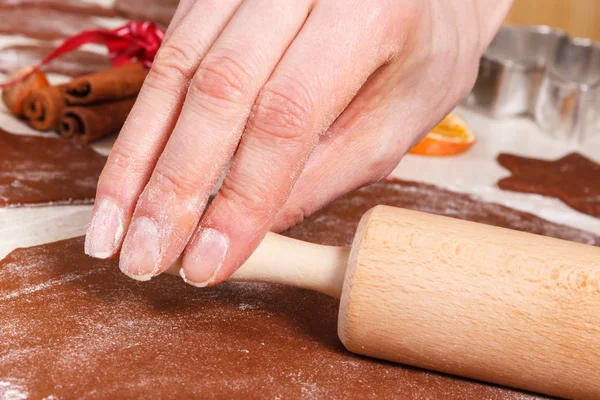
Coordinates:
(473,300)
(292,262)
(576,17)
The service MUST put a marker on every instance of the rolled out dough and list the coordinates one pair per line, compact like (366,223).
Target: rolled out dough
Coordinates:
(42,170)
(75,327)
(572,179)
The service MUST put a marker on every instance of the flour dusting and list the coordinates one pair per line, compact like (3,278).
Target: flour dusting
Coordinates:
(42,286)
(42,170)
(76,327)
(10,391)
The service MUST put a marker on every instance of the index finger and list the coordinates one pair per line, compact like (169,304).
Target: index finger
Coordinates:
(150,123)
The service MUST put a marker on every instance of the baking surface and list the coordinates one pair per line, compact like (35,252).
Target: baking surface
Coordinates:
(475,172)
(34,172)
(231,341)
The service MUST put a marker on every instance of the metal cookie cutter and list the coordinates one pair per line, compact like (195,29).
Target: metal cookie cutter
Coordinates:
(541,72)
(511,70)
(568,105)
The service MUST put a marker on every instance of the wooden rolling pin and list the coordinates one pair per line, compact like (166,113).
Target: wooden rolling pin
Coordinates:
(467,299)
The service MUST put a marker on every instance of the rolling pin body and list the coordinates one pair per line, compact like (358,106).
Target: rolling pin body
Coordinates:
(467,299)
(473,300)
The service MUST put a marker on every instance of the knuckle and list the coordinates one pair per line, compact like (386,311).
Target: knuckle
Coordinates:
(243,201)
(223,78)
(174,181)
(124,163)
(173,65)
(123,159)
(281,113)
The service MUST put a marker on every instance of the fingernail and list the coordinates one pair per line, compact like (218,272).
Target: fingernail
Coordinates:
(204,259)
(140,254)
(105,232)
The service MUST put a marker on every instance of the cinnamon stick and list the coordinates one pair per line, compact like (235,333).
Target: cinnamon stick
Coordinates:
(43,107)
(108,85)
(85,124)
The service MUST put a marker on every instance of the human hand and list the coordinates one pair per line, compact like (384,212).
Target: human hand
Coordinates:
(311,99)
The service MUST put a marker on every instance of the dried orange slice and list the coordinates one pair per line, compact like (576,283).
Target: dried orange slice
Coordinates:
(14,95)
(451,136)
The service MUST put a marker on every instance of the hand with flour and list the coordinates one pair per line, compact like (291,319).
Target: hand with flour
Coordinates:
(308,100)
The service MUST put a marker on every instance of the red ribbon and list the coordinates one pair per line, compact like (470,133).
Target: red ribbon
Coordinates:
(136,41)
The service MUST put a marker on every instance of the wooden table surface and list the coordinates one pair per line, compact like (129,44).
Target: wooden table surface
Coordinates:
(577,17)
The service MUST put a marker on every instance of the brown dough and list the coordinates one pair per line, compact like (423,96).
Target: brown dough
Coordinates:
(157,11)
(76,6)
(37,170)
(78,62)
(86,124)
(42,22)
(75,327)
(573,179)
